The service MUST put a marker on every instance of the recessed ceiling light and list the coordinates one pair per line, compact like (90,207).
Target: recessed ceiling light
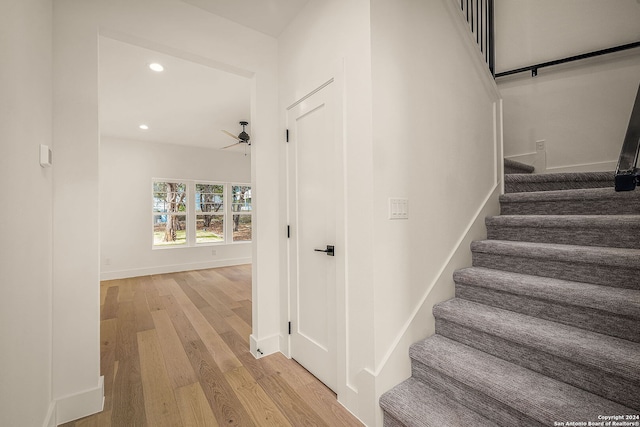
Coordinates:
(156,67)
(144,127)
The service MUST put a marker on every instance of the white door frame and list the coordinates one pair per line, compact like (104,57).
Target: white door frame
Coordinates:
(336,79)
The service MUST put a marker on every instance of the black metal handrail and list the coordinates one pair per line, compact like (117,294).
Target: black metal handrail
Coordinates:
(627,172)
(479,14)
(534,68)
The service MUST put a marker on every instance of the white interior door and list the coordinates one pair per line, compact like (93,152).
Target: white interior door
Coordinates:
(312,214)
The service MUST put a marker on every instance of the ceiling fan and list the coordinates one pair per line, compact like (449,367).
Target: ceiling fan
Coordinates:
(242,138)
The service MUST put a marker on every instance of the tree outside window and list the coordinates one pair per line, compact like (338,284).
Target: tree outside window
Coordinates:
(169,213)
(241,210)
(210,208)
(190,213)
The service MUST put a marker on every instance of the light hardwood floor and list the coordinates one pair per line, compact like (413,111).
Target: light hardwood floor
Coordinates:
(175,352)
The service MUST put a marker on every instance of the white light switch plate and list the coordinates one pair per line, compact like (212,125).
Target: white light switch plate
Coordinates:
(398,208)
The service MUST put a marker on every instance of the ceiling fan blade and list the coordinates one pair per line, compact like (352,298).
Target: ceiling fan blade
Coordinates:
(231,135)
(232,145)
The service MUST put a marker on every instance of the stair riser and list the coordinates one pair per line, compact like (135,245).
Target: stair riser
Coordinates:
(389,421)
(414,403)
(571,207)
(474,399)
(517,187)
(615,237)
(570,371)
(582,317)
(597,274)
(511,170)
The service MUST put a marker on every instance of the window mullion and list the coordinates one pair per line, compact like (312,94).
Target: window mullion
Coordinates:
(228,199)
(191,213)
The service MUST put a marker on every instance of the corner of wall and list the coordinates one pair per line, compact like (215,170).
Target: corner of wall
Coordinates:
(367,398)
(85,403)
(265,346)
(50,419)
(284,345)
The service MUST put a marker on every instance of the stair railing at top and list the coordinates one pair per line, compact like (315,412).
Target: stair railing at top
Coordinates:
(479,14)
(627,173)
(534,68)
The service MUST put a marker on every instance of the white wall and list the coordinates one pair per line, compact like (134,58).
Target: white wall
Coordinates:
(331,39)
(25,257)
(436,137)
(403,137)
(324,34)
(581,113)
(533,31)
(581,110)
(126,171)
(179,29)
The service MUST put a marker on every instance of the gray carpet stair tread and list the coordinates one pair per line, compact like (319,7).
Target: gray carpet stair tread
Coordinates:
(605,195)
(528,392)
(513,166)
(615,257)
(621,231)
(514,183)
(414,404)
(609,354)
(576,202)
(545,326)
(625,302)
(566,177)
(629,222)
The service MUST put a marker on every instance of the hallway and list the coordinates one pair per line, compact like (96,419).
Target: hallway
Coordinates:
(175,351)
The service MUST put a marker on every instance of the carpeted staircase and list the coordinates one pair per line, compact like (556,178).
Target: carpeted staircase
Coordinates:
(545,326)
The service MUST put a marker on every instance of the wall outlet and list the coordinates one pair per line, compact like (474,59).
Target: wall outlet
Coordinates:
(107,261)
(214,252)
(540,145)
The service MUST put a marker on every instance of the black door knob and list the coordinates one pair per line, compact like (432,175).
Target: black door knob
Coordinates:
(330,251)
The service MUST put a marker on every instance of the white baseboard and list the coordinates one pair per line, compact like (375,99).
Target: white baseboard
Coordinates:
(585,167)
(266,346)
(526,158)
(540,162)
(81,404)
(174,268)
(284,345)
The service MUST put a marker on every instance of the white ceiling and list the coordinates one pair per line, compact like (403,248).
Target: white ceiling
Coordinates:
(188,103)
(267,16)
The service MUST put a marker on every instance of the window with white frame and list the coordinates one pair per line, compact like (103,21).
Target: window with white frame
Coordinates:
(189,213)
(169,213)
(210,213)
(241,210)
